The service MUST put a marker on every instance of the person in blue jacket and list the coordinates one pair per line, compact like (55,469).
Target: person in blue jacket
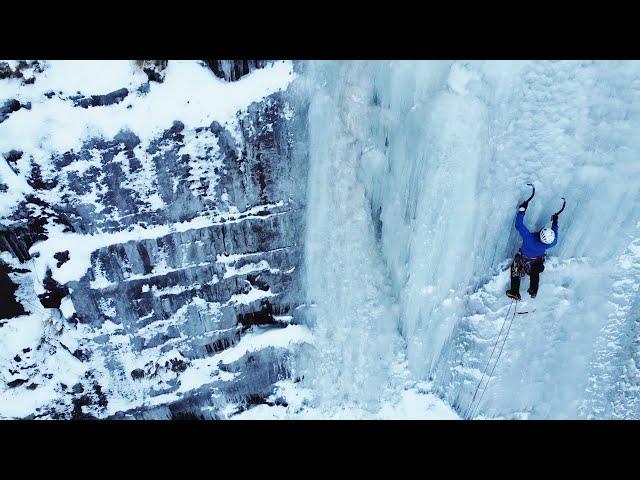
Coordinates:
(530,258)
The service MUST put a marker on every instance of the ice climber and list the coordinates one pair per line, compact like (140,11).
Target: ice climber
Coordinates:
(530,257)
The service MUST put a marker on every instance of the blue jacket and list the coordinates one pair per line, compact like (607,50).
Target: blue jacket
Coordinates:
(531,245)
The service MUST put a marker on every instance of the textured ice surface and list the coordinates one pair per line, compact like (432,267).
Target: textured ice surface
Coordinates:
(416,172)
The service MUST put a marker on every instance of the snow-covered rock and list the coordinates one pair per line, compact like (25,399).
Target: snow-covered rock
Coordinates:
(137,241)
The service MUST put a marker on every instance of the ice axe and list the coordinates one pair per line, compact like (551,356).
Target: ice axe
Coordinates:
(554,217)
(525,204)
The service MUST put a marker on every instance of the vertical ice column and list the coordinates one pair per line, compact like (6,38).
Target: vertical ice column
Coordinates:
(355,324)
(428,211)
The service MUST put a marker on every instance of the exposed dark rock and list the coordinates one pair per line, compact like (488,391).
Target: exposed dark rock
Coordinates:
(111,98)
(254,399)
(81,355)
(20,70)
(8,108)
(54,294)
(13,240)
(177,365)
(64,160)
(77,388)
(144,88)
(17,358)
(148,281)
(95,399)
(232,70)
(10,307)
(127,138)
(218,345)
(61,257)
(77,412)
(264,316)
(16,383)
(102,397)
(33,386)
(5,70)
(12,156)
(37,182)
(155,69)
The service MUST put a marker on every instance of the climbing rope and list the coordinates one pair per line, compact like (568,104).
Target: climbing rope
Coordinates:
(489,360)
(515,312)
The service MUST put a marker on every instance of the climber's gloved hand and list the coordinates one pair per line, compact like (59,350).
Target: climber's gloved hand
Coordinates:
(523,206)
(554,219)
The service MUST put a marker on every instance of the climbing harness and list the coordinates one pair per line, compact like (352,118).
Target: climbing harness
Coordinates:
(522,264)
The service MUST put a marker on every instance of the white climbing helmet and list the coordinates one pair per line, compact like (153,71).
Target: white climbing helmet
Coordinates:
(547,235)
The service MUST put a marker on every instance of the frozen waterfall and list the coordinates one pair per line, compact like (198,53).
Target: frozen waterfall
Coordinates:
(416,169)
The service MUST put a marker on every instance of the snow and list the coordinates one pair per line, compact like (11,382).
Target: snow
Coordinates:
(253,295)
(42,344)
(230,262)
(85,76)
(189,88)
(411,404)
(17,187)
(66,307)
(416,406)
(459,77)
(190,93)
(283,318)
(80,259)
(203,371)
(278,337)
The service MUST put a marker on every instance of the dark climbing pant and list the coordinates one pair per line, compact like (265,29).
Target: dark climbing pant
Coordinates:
(521,266)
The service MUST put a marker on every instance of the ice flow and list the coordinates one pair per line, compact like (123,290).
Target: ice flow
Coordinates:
(416,170)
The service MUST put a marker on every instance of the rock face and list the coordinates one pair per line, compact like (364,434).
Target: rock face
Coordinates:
(11,106)
(154,69)
(165,322)
(232,70)
(111,98)
(24,70)
(9,306)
